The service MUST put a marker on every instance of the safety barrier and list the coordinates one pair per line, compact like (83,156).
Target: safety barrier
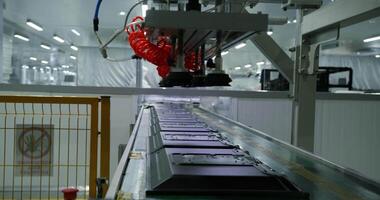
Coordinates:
(51,143)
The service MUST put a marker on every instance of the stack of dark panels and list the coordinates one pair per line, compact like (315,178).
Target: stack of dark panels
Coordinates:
(186,156)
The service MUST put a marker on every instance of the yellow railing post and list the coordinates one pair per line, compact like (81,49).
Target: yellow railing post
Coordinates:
(94,149)
(105,140)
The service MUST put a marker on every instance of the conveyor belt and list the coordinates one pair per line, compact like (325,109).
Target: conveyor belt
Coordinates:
(321,179)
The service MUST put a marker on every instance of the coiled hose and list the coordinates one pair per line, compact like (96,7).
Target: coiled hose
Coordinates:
(155,54)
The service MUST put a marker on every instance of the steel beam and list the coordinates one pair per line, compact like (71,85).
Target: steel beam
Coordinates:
(340,14)
(184,92)
(273,52)
(206,21)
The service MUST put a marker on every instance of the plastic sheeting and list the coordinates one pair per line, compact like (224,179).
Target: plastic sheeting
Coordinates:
(366,69)
(94,70)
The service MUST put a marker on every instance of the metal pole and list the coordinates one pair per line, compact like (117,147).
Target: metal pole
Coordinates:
(304,91)
(1,41)
(139,78)
(219,37)
(203,54)
(180,57)
(139,73)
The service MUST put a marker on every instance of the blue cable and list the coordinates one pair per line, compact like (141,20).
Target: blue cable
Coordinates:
(96,19)
(97,8)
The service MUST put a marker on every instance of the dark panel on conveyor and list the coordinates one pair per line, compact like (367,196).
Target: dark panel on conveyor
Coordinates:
(186,156)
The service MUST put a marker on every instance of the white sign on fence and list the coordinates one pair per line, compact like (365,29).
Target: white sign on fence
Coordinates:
(34,150)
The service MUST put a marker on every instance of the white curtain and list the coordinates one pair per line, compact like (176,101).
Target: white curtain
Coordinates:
(94,70)
(366,69)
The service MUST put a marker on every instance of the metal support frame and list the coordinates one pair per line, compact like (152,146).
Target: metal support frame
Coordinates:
(320,26)
(339,14)
(1,42)
(180,64)
(139,73)
(139,77)
(303,91)
(174,20)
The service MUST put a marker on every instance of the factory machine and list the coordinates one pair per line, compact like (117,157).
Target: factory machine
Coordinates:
(186,39)
(181,151)
(185,156)
(178,151)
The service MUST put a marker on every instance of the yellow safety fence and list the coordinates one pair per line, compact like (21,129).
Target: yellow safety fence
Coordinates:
(51,143)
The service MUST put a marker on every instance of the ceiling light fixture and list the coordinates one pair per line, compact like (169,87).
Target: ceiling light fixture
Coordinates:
(34,25)
(75,32)
(121,13)
(21,37)
(294,21)
(241,45)
(45,46)
(372,39)
(144,8)
(44,62)
(73,57)
(33,58)
(247,65)
(75,48)
(260,63)
(237,68)
(377,56)
(58,39)
(270,32)
(224,53)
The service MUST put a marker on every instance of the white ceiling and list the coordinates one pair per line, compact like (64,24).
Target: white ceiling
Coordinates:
(60,16)
(350,42)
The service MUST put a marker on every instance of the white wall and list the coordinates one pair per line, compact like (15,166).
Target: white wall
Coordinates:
(348,133)
(272,116)
(225,106)
(123,112)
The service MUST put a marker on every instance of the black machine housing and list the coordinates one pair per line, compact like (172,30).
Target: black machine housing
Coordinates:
(279,83)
